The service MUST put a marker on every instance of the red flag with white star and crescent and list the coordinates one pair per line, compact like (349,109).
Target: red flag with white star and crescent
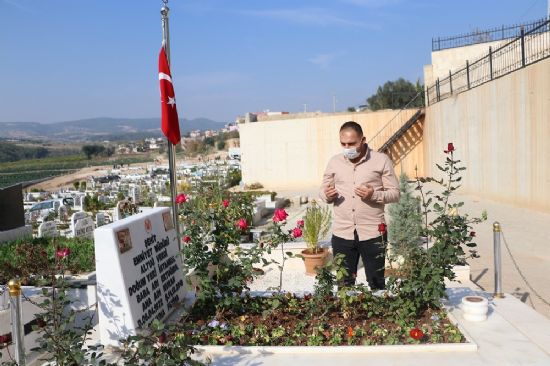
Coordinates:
(169,122)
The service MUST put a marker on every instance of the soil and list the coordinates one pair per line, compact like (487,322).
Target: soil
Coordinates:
(292,325)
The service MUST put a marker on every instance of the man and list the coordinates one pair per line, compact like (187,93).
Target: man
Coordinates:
(359,182)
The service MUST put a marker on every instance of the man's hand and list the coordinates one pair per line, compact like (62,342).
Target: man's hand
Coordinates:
(331,193)
(364,191)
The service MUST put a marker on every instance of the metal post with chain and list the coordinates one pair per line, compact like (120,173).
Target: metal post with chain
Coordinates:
(520,272)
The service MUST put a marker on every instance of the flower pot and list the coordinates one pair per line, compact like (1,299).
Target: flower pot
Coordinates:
(314,260)
(474,308)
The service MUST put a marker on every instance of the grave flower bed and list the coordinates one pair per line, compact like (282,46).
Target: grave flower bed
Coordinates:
(32,260)
(409,312)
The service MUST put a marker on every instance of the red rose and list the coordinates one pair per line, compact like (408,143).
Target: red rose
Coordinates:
(300,223)
(162,338)
(450,148)
(296,232)
(416,334)
(279,215)
(307,297)
(186,239)
(382,228)
(181,198)
(225,203)
(472,234)
(350,332)
(62,253)
(242,224)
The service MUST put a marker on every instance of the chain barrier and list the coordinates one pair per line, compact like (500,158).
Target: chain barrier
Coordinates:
(520,272)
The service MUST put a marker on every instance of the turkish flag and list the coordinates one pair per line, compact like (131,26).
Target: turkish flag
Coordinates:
(170,124)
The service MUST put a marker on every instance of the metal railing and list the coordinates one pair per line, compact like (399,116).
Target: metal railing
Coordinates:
(529,47)
(482,36)
(394,124)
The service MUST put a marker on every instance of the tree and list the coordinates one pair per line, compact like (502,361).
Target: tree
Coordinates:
(406,220)
(221,145)
(396,94)
(92,150)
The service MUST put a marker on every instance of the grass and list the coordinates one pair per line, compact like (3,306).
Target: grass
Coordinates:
(29,170)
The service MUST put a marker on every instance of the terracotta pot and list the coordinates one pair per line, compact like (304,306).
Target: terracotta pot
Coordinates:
(314,260)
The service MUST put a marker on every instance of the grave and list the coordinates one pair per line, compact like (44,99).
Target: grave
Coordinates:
(99,219)
(139,275)
(63,213)
(76,217)
(84,228)
(47,229)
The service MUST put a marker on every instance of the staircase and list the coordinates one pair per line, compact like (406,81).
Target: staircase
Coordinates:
(398,126)
(400,132)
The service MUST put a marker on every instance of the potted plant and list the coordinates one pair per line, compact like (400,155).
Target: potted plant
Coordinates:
(317,223)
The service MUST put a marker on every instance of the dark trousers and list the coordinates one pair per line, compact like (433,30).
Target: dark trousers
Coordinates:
(372,252)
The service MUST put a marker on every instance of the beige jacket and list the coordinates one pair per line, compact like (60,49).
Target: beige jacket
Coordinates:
(350,211)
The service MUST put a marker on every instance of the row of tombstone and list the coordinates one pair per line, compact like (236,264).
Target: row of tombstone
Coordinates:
(81,226)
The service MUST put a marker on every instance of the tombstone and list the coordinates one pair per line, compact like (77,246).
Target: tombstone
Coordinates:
(56,205)
(136,195)
(139,275)
(75,218)
(79,203)
(84,228)
(99,219)
(63,213)
(47,229)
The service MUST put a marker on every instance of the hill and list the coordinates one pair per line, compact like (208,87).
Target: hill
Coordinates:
(98,128)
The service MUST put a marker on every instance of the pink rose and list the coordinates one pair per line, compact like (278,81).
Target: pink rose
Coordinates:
(62,253)
(300,223)
(279,215)
(296,232)
(225,203)
(181,198)
(242,224)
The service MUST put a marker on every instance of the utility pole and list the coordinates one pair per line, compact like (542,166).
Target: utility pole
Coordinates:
(334,101)
(305,105)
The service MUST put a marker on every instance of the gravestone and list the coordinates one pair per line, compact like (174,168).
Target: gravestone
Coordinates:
(139,276)
(78,203)
(63,213)
(99,219)
(47,229)
(84,228)
(136,195)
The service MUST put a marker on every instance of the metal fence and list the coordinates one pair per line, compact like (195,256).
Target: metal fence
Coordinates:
(529,47)
(482,36)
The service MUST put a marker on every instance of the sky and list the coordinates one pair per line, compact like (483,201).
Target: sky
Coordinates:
(63,60)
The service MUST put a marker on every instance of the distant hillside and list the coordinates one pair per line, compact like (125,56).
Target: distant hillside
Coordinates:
(96,128)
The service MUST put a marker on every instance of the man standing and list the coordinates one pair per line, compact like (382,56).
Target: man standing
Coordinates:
(359,182)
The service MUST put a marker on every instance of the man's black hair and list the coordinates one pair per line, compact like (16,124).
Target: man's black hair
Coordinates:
(351,125)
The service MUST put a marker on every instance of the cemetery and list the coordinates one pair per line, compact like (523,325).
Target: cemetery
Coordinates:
(233,284)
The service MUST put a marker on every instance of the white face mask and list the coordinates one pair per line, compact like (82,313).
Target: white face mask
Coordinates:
(351,153)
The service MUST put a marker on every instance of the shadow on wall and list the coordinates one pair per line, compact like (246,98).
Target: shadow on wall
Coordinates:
(406,143)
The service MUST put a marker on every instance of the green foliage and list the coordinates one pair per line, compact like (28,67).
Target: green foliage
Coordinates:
(220,145)
(317,223)
(11,152)
(405,220)
(93,204)
(92,150)
(30,260)
(421,284)
(28,170)
(396,94)
(234,177)
(160,345)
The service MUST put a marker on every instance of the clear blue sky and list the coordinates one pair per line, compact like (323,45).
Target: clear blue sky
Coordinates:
(63,60)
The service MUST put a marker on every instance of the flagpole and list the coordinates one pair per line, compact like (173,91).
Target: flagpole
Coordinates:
(171,147)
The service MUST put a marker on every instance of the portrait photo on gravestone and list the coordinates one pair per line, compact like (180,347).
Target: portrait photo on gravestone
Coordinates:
(167,219)
(124,240)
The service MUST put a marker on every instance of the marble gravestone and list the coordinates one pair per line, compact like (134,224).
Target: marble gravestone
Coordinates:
(47,229)
(84,228)
(76,217)
(139,275)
